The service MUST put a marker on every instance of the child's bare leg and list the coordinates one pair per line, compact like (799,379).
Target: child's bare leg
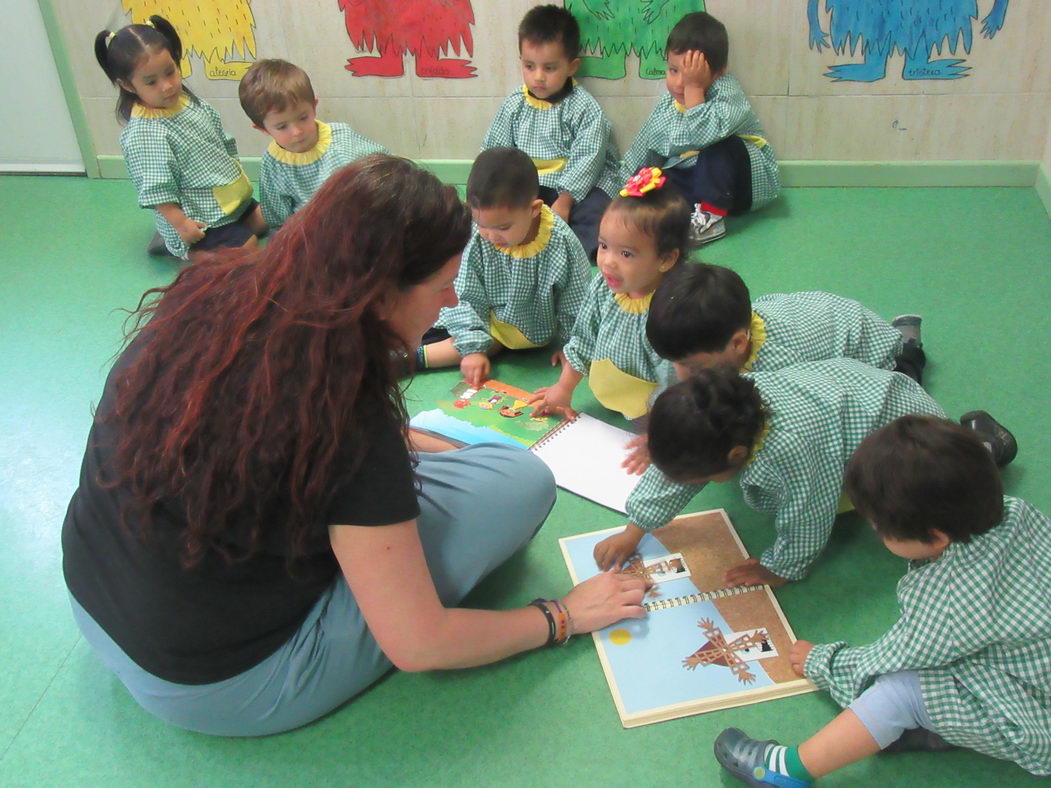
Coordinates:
(256,223)
(843,741)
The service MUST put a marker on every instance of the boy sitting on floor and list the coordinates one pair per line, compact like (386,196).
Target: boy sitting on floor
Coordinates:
(968,663)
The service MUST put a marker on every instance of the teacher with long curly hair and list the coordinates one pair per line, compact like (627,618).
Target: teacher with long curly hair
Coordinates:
(257,535)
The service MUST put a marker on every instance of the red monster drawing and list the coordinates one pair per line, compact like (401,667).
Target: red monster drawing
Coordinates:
(425,28)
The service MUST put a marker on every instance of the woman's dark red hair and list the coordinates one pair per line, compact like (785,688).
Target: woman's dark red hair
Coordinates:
(256,369)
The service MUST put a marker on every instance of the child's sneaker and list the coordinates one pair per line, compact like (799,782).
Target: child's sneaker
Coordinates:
(706,226)
(755,762)
(909,326)
(996,437)
(157,247)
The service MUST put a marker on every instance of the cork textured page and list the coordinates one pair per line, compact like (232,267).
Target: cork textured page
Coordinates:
(702,647)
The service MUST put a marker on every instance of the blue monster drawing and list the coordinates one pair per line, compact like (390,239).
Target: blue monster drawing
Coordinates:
(913,27)
(617,27)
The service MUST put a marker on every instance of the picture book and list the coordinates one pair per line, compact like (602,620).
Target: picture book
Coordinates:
(584,454)
(701,647)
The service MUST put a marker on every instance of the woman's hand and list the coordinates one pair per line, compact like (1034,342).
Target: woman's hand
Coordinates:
(605,599)
(798,653)
(475,369)
(638,459)
(613,551)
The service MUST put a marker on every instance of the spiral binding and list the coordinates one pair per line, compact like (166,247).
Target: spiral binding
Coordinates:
(703,596)
(550,434)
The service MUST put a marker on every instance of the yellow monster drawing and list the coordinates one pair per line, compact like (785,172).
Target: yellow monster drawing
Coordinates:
(221,32)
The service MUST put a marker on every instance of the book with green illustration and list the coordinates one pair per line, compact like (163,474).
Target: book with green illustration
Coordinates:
(701,647)
(584,454)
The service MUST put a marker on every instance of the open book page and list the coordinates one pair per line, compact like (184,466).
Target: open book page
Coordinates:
(496,412)
(586,455)
(701,647)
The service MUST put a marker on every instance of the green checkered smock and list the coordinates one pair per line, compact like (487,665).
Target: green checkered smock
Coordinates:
(182,155)
(976,626)
(536,287)
(817,414)
(288,180)
(812,326)
(606,331)
(669,133)
(574,130)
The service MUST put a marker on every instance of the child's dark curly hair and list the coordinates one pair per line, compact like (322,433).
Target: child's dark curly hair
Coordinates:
(695,424)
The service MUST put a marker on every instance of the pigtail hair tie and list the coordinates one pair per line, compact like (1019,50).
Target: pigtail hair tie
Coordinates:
(645,180)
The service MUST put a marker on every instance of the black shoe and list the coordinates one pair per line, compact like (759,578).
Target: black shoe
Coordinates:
(157,247)
(1001,443)
(919,740)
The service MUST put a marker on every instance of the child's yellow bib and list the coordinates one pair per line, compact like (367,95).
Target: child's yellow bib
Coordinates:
(618,390)
(845,504)
(548,166)
(232,196)
(507,335)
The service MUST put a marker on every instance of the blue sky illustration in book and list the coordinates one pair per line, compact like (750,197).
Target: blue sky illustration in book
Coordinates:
(473,416)
(664,637)
(915,29)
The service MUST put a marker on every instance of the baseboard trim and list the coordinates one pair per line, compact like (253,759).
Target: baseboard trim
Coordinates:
(793,173)
(1043,187)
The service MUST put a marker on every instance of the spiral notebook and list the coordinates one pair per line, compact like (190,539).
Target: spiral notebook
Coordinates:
(584,454)
(702,647)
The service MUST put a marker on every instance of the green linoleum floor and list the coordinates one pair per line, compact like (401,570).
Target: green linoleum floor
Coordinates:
(975,262)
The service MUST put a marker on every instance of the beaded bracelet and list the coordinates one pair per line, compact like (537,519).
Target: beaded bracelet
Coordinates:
(552,629)
(565,622)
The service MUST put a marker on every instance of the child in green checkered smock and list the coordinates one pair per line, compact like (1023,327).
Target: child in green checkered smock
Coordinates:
(968,662)
(288,180)
(279,99)
(786,436)
(181,155)
(643,235)
(704,133)
(182,163)
(522,276)
(559,124)
(702,316)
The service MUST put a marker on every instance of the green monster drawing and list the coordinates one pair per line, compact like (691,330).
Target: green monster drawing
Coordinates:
(617,27)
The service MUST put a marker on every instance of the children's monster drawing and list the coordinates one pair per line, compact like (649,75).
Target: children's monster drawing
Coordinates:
(426,29)
(915,28)
(220,32)
(618,27)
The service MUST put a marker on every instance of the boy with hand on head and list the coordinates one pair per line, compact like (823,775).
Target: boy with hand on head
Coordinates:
(559,124)
(968,663)
(523,276)
(704,134)
(279,99)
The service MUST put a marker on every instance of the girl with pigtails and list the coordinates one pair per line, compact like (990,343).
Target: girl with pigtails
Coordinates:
(184,166)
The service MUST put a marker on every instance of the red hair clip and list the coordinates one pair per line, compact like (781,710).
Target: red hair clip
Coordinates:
(645,180)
